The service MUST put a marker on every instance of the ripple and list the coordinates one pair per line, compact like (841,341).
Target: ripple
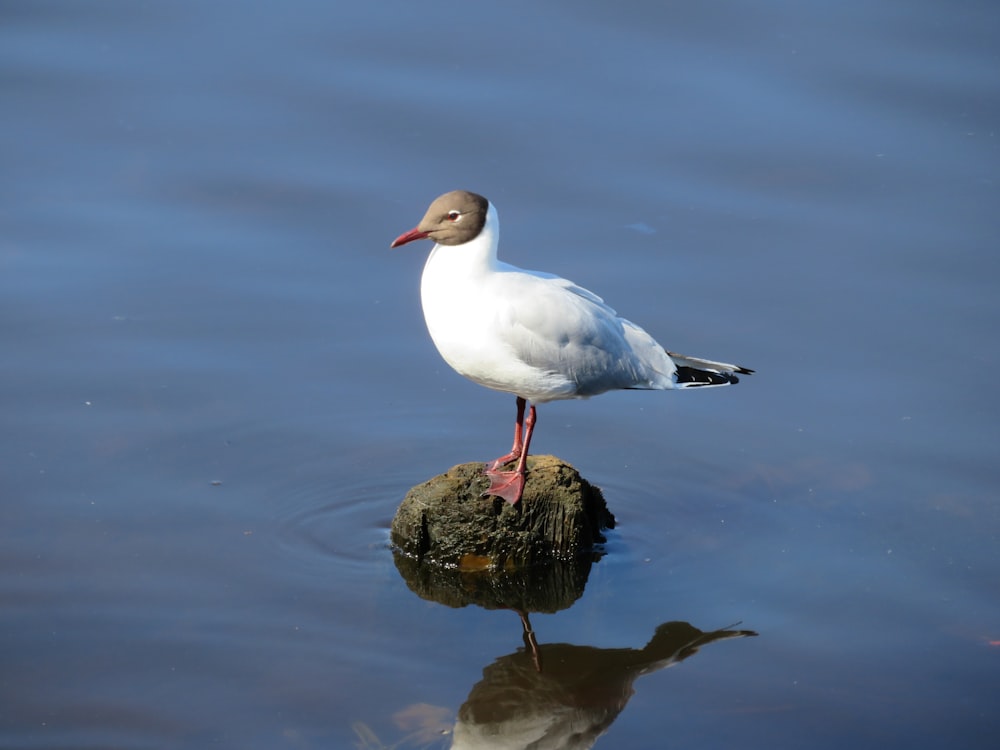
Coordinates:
(341,517)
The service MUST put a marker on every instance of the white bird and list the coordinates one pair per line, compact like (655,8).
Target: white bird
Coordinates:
(532,334)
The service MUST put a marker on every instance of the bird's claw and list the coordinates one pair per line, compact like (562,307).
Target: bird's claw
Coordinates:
(506,484)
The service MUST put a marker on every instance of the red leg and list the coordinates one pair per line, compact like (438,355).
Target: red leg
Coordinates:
(510,484)
(515,451)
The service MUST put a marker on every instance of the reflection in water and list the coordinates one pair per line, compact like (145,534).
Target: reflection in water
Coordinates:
(573,697)
(547,696)
(549,587)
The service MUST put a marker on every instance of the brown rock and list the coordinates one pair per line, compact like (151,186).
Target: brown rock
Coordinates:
(447,521)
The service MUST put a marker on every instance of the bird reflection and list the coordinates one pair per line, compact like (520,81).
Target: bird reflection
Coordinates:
(558,696)
(544,696)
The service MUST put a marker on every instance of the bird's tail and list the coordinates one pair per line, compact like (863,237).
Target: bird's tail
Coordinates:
(693,372)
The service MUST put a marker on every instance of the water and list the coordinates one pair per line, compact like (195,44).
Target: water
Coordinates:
(217,385)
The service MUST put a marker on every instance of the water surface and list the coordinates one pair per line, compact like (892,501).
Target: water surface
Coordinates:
(217,385)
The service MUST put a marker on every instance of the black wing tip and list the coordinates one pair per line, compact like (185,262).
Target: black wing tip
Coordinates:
(693,377)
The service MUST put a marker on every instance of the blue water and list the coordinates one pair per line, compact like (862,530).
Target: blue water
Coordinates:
(217,386)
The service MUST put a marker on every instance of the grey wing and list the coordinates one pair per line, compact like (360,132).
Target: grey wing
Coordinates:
(560,327)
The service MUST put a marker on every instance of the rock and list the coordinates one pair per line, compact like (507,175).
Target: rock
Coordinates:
(447,521)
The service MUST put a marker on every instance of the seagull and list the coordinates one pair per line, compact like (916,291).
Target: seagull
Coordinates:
(532,334)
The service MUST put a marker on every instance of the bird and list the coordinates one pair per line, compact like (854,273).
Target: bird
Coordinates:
(529,333)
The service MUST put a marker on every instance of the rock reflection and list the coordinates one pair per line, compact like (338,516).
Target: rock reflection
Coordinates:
(548,587)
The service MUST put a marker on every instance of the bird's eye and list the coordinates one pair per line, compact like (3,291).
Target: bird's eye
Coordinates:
(454,215)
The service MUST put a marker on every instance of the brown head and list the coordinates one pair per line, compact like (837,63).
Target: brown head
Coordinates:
(452,219)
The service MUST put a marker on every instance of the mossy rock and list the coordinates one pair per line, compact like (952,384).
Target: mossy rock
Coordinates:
(449,522)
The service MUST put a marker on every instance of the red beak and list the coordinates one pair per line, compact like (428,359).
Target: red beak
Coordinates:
(413,234)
